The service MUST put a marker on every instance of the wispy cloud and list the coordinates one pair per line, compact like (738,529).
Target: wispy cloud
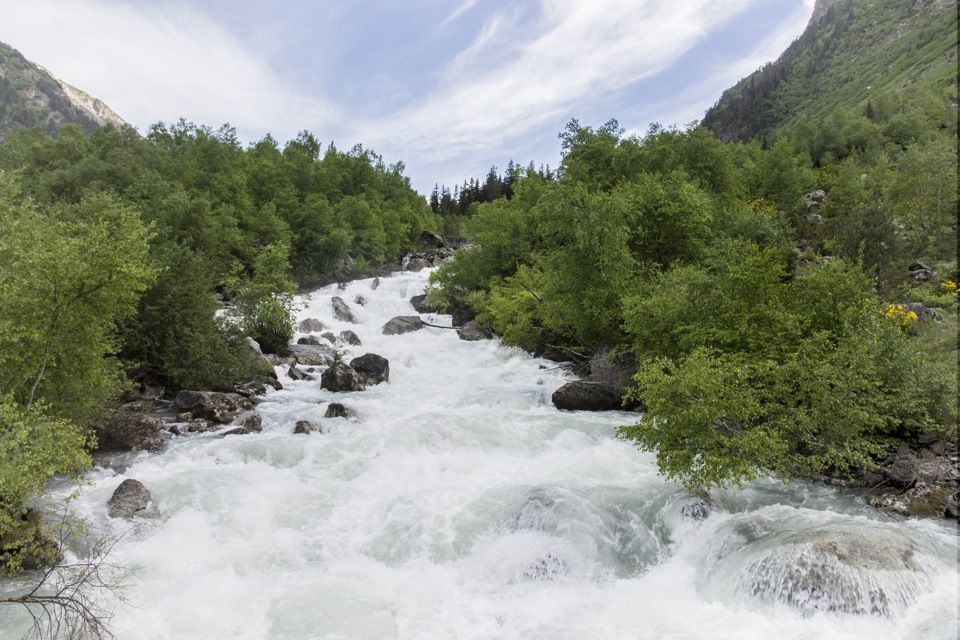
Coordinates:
(572,53)
(463,7)
(156,63)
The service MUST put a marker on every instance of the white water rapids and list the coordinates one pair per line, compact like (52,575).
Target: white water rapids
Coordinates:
(460,503)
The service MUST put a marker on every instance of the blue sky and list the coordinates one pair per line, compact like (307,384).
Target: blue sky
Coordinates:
(449,87)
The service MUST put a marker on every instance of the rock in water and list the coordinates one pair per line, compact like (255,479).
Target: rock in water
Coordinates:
(402,324)
(312,355)
(129,500)
(349,337)
(311,325)
(373,369)
(341,311)
(582,395)
(212,405)
(131,432)
(341,377)
(474,331)
(420,304)
(337,410)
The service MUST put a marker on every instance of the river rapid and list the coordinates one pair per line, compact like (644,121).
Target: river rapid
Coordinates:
(460,503)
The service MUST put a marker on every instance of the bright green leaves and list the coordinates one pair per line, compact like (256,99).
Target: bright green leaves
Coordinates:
(67,276)
(265,300)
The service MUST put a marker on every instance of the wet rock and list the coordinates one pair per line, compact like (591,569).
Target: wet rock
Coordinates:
(212,405)
(329,337)
(473,331)
(305,427)
(278,361)
(402,324)
(920,501)
(131,499)
(252,423)
(374,284)
(297,374)
(341,377)
(696,508)
(360,300)
(236,431)
(537,513)
(420,304)
(311,340)
(349,337)
(461,313)
(341,311)
(583,395)
(373,368)
(131,432)
(313,355)
(201,426)
(310,325)
(337,410)
(430,241)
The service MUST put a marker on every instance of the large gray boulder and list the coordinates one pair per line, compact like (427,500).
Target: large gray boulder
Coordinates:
(341,311)
(373,369)
(313,355)
(814,199)
(349,337)
(212,405)
(583,395)
(402,324)
(337,410)
(341,377)
(127,431)
(131,499)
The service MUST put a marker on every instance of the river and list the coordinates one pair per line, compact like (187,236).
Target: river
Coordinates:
(460,503)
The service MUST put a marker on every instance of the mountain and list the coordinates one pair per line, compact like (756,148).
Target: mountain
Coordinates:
(31,96)
(851,53)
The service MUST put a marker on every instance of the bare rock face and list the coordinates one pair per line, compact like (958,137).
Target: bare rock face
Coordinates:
(212,405)
(373,369)
(402,324)
(582,395)
(341,377)
(341,311)
(131,432)
(131,499)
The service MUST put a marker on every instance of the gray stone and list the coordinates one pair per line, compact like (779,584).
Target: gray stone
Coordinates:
(313,355)
(304,427)
(253,423)
(297,374)
(131,499)
(373,369)
(349,337)
(418,264)
(311,340)
(131,432)
(310,325)
(402,324)
(473,331)
(583,395)
(212,405)
(815,219)
(337,410)
(360,300)
(814,199)
(341,311)
(341,377)
(420,304)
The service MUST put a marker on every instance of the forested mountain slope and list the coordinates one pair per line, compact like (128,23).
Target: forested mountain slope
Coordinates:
(863,55)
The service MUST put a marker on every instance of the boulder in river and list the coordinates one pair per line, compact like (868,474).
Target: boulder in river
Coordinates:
(583,395)
(341,311)
(253,423)
(297,374)
(212,405)
(420,304)
(126,431)
(131,499)
(402,324)
(373,368)
(349,337)
(312,355)
(337,410)
(309,340)
(341,377)
(305,427)
(310,325)
(473,331)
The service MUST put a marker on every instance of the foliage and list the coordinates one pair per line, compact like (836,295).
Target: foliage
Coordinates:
(265,300)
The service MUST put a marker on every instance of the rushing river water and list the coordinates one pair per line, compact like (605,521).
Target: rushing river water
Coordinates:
(460,504)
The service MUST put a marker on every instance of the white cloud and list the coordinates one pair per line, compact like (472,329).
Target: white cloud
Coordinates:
(153,63)
(464,6)
(575,53)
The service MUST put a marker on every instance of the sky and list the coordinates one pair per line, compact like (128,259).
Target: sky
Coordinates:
(448,87)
